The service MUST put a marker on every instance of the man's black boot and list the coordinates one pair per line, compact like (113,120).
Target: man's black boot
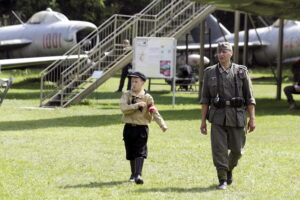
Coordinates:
(138,170)
(229,177)
(222,185)
(132,166)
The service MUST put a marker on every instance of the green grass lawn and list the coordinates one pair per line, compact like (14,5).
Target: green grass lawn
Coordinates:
(78,153)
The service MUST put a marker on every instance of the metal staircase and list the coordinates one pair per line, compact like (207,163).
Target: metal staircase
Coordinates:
(65,82)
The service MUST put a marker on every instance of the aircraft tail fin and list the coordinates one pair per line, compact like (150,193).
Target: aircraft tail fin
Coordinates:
(217,30)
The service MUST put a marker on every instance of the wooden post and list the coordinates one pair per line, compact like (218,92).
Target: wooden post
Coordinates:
(5,20)
(202,52)
(186,48)
(210,49)
(246,40)
(279,61)
(149,84)
(236,36)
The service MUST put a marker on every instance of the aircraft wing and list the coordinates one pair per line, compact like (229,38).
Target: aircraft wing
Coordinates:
(215,45)
(14,43)
(35,61)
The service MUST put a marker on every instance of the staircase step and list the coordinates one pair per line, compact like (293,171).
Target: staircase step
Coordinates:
(85,81)
(70,96)
(79,88)
(57,100)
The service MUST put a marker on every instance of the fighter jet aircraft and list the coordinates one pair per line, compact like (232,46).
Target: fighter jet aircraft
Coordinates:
(263,42)
(46,35)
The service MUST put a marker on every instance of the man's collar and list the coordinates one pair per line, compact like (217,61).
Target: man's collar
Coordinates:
(222,69)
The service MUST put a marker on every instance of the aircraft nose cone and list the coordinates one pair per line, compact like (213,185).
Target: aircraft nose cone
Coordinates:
(85,25)
(79,30)
(84,32)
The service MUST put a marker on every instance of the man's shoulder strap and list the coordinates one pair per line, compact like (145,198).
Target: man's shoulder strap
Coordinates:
(210,67)
(240,70)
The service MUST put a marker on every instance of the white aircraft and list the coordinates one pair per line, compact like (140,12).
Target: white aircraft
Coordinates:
(263,42)
(42,39)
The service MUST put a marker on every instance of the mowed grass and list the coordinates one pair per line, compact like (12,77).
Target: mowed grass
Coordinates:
(78,152)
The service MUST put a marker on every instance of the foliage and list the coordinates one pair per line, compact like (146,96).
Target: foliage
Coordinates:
(95,11)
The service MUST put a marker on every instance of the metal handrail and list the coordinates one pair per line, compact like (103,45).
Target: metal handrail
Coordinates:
(104,43)
(67,72)
(177,14)
(170,7)
(102,27)
(153,6)
(80,43)
(174,17)
(142,24)
(146,9)
(72,51)
(76,48)
(101,43)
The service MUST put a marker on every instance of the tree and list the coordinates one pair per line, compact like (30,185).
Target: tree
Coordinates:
(95,11)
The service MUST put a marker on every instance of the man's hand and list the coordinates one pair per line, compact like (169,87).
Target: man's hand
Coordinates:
(164,128)
(297,89)
(251,125)
(203,128)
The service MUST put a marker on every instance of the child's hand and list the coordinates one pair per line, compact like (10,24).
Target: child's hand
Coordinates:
(164,128)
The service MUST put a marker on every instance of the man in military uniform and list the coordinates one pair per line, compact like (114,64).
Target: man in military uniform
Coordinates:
(226,95)
(138,110)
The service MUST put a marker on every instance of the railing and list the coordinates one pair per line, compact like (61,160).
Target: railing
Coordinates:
(155,7)
(102,50)
(51,76)
(107,54)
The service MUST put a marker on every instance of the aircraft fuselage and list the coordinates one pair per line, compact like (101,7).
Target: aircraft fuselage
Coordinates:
(267,53)
(45,39)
